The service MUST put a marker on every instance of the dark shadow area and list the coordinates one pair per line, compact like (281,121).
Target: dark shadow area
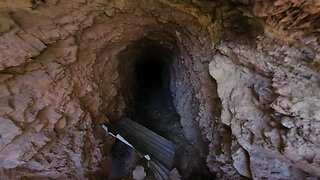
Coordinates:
(149,76)
(121,154)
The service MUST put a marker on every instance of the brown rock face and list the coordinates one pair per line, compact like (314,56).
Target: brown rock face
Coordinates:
(243,76)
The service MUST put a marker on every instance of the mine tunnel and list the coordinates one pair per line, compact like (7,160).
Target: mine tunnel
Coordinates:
(150,74)
(225,89)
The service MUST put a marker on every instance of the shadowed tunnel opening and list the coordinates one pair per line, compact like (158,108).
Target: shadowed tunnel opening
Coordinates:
(145,71)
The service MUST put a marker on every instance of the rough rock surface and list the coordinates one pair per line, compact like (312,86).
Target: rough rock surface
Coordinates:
(65,68)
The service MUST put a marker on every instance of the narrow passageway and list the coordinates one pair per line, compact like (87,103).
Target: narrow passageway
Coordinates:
(155,110)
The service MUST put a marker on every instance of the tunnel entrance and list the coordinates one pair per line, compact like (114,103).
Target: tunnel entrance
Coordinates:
(151,104)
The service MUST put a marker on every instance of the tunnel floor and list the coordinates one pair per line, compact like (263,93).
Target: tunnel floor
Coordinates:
(155,110)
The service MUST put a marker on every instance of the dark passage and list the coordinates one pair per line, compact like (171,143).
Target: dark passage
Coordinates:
(149,77)
(154,109)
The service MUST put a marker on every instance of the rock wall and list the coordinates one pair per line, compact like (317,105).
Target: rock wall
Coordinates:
(64,68)
(268,85)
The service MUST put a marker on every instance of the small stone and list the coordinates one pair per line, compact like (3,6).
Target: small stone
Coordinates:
(174,175)
(139,173)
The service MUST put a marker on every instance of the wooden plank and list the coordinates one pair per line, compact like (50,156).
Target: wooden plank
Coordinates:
(145,141)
